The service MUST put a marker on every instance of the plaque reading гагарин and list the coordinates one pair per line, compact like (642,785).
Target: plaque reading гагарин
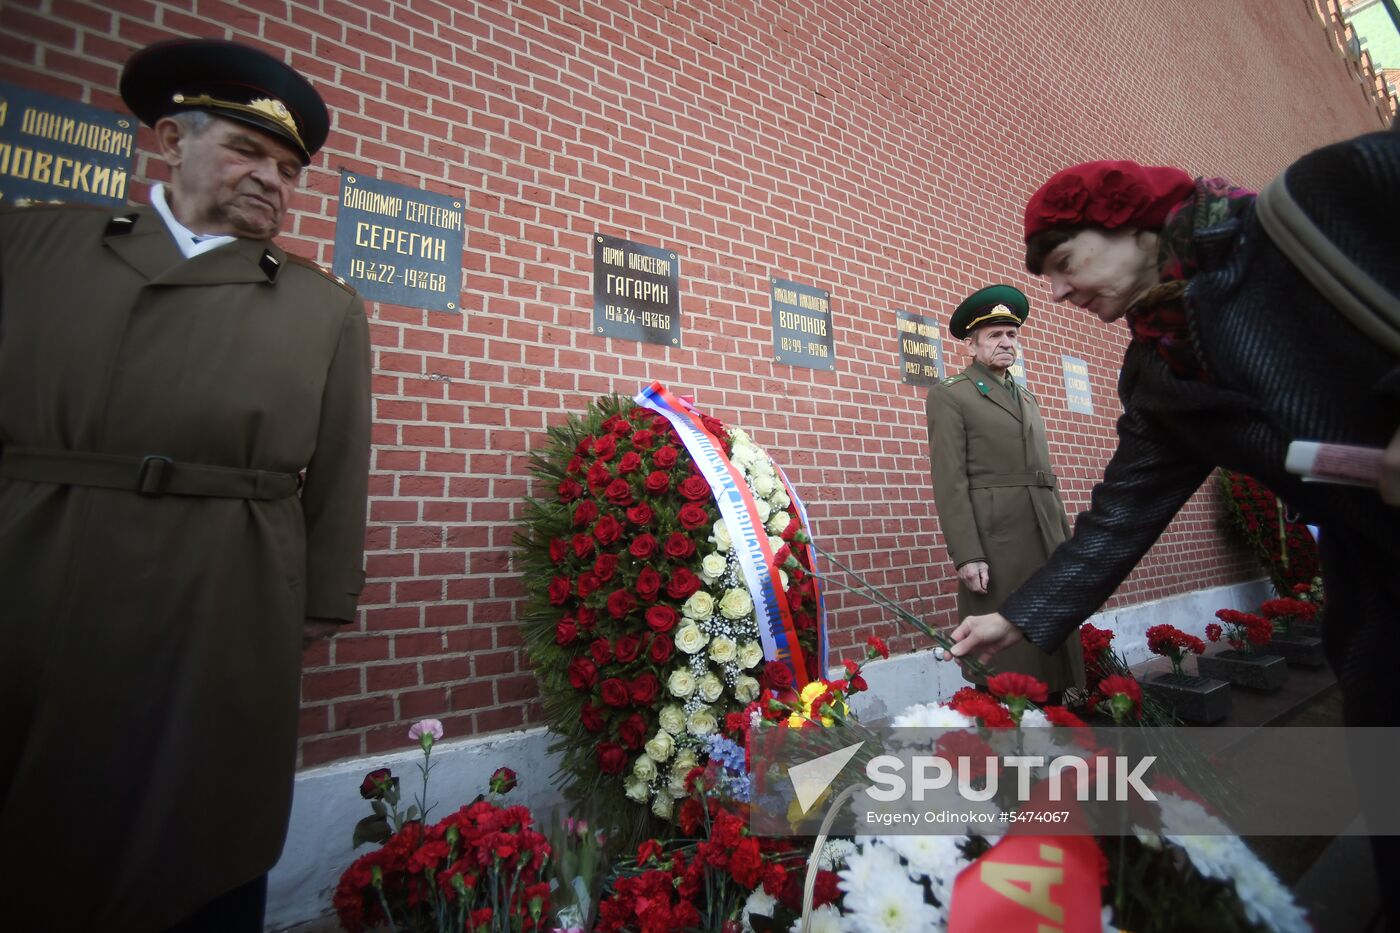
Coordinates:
(636,291)
(52,149)
(920,349)
(802,326)
(398,244)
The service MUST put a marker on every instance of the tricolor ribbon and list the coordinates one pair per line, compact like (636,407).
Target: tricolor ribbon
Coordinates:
(814,572)
(776,631)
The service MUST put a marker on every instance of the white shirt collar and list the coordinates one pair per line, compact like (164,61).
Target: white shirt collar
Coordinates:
(191,244)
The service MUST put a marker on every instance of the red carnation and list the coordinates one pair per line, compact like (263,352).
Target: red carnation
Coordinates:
(679,546)
(661,648)
(559,590)
(620,603)
(1010,685)
(643,546)
(648,584)
(694,488)
(614,692)
(569,490)
(633,731)
(627,648)
(591,717)
(644,689)
(662,618)
(1213,632)
(693,515)
(682,584)
(876,646)
(607,530)
(605,566)
(619,493)
(631,462)
(583,673)
(611,758)
(657,482)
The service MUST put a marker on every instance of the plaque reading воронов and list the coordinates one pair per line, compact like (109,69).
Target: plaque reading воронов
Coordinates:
(802,326)
(920,349)
(1079,397)
(398,244)
(636,291)
(52,149)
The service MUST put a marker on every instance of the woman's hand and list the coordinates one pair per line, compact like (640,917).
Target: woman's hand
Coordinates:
(984,636)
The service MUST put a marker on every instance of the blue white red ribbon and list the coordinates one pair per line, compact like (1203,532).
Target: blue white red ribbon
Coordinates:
(812,570)
(776,631)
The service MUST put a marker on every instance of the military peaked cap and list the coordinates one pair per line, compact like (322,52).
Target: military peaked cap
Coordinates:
(995,304)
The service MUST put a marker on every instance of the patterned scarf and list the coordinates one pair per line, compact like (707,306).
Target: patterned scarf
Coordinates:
(1158,319)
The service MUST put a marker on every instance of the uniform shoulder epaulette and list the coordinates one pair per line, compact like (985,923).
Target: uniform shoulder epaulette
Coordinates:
(325,273)
(952,379)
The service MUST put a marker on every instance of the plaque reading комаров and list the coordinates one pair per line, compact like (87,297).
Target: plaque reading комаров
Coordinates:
(636,291)
(920,349)
(53,149)
(802,326)
(398,244)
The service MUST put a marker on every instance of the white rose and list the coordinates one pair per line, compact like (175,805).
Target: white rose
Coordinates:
(700,605)
(746,689)
(685,760)
(722,649)
(734,604)
(763,485)
(783,578)
(780,499)
(776,543)
(721,536)
(778,522)
(750,653)
(676,786)
(710,688)
(763,508)
(672,719)
(638,791)
(690,639)
(661,806)
(644,768)
(712,567)
(660,746)
(681,683)
(702,722)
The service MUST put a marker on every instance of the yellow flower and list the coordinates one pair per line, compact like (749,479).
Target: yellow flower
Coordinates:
(808,696)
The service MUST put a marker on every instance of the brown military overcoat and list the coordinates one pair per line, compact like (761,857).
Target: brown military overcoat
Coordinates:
(995,491)
(150,644)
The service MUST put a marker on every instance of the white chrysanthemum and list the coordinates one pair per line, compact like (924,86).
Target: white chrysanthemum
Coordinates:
(835,853)
(710,688)
(738,436)
(778,522)
(660,746)
(891,903)
(932,716)
(750,654)
(760,903)
(690,639)
(720,536)
(644,768)
(745,689)
(672,719)
(825,919)
(734,604)
(681,683)
(722,649)
(712,567)
(1265,900)
(700,605)
(870,860)
(637,790)
(927,855)
(662,805)
(702,722)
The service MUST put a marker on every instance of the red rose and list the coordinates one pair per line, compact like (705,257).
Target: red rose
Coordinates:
(583,545)
(585,447)
(621,428)
(591,717)
(569,490)
(640,514)
(558,549)
(657,482)
(377,783)
(1063,202)
(583,674)
(585,512)
(605,566)
(631,462)
(611,758)
(588,584)
(643,546)
(614,692)
(643,439)
(620,603)
(601,649)
(565,633)
(559,590)
(777,675)
(694,488)
(662,618)
(715,427)
(648,584)
(1116,202)
(661,648)
(604,447)
(665,458)
(598,476)
(644,689)
(682,584)
(607,530)
(619,493)
(575,464)
(678,546)
(627,648)
(633,731)
(693,515)
(586,617)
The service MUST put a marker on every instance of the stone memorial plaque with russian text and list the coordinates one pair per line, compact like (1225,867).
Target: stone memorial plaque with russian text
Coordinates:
(802,326)
(636,291)
(53,149)
(920,349)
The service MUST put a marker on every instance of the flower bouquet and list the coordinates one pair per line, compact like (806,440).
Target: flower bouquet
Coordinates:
(1287,613)
(1170,642)
(1244,631)
(1284,548)
(1244,664)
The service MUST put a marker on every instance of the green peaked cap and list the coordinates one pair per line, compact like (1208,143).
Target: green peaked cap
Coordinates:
(993,304)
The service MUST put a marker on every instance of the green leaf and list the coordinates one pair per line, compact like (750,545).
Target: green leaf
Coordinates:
(371,829)
(412,813)
(380,810)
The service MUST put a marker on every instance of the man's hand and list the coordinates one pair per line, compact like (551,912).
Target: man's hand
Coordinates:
(984,636)
(313,630)
(1390,472)
(975,575)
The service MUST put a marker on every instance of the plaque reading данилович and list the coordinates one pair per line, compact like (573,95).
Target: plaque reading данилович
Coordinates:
(920,349)
(802,326)
(636,291)
(398,244)
(52,149)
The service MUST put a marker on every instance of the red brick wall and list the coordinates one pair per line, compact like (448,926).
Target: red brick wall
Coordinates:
(881,150)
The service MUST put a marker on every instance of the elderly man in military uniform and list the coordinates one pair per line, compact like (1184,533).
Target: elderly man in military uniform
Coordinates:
(184,437)
(993,482)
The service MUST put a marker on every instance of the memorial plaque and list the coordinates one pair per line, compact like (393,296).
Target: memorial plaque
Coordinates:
(1018,372)
(1078,396)
(636,291)
(398,244)
(802,326)
(920,349)
(52,149)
